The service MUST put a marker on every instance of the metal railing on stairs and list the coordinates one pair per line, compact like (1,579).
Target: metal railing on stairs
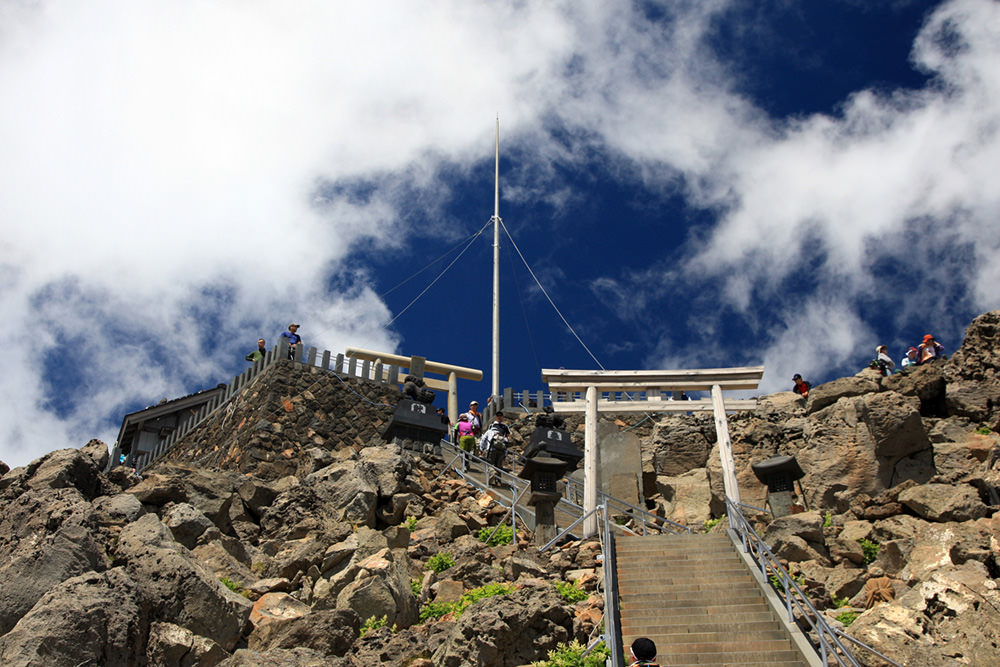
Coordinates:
(824,638)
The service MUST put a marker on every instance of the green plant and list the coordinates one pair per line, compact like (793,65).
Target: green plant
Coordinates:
(827,520)
(439,609)
(440,562)
(571,655)
(570,591)
(984,430)
(778,584)
(416,585)
(234,587)
(373,623)
(847,617)
(712,523)
(411,523)
(840,602)
(870,549)
(496,535)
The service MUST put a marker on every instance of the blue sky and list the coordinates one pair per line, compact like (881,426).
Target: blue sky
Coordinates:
(695,184)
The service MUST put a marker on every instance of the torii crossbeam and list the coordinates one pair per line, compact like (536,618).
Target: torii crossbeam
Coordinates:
(644,393)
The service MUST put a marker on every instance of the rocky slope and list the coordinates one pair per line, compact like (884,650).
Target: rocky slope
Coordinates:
(280,530)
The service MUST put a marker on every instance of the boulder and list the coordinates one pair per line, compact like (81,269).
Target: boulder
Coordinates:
(687,498)
(173,645)
(678,445)
(186,523)
(381,587)
(95,618)
(286,657)
(798,537)
(157,489)
(274,607)
(117,510)
(35,567)
(944,502)
(829,393)
(67,468)
(507,630)
(179,588)
(331,632)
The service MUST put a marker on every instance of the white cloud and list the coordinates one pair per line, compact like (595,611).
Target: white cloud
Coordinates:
(169,172)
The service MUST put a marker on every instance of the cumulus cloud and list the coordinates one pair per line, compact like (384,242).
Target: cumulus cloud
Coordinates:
(180,179)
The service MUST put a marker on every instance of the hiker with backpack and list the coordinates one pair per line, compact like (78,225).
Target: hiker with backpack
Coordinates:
(882,361)
(493,444)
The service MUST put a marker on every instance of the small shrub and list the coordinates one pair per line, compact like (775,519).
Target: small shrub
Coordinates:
(440,562)
(373,623)
(439,609)
(778,584)
(984,430)
(847,617)
(496,535)
(416,585)
(571,655)
(827,520)
(870,549)
(712,523)
(235,587)
(570,591)
(411,523)
(840,602)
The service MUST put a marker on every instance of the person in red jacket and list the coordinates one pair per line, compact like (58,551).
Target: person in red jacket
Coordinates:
(801,386)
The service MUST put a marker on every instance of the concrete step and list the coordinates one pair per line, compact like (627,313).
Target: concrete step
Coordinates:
(729,658)
(694,596)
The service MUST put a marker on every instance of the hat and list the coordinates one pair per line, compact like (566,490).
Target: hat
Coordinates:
(499,414)
(644,649)
(796,377)
(463,417)
(911,349)
(928,337)
(474,403)
(293,324)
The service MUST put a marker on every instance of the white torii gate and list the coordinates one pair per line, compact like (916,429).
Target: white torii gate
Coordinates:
(593,384)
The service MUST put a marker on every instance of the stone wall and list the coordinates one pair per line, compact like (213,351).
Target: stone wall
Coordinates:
(287,418)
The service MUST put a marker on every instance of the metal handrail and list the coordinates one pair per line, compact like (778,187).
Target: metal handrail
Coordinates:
(826,640)
(646,519)
(612,614)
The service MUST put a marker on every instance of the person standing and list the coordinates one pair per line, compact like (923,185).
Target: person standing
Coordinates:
(293,338)
(259,353)
(494,442)
(475,417)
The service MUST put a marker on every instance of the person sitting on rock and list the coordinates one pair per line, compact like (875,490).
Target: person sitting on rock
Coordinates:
(910,359)
(801,386)
(929,350)
(643,652)
(884,362)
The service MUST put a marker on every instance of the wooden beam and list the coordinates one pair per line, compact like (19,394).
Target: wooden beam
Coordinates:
(429,366)
(687,385)
(747,377)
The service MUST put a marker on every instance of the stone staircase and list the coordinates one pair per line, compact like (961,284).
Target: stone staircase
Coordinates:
(694,596)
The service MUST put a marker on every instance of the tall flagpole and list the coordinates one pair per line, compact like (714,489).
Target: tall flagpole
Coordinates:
(496,272)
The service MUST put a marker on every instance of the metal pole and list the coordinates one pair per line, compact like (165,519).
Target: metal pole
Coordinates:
(495,389)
